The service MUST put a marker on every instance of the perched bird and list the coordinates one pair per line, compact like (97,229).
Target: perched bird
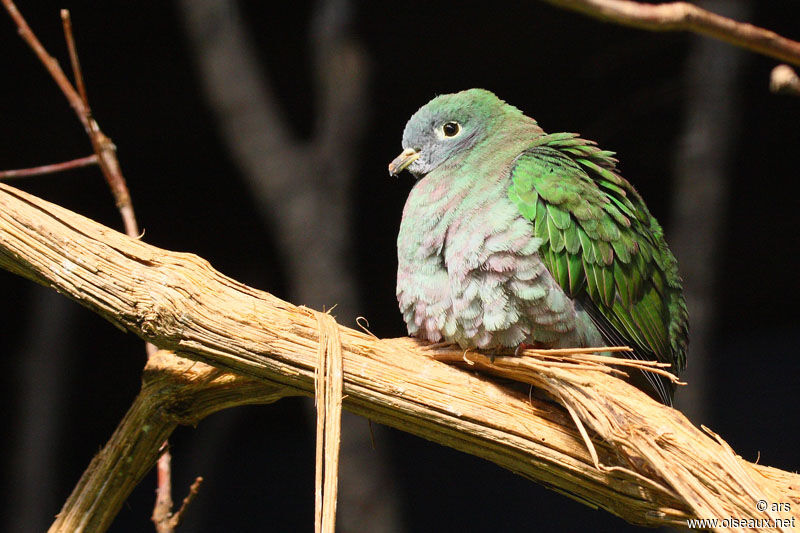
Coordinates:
(514,236)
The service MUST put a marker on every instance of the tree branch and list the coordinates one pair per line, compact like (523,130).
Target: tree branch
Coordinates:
(174,391)
(49,169)
(103,146)
(177,518)
(649,464)
(105,157)
(683,16)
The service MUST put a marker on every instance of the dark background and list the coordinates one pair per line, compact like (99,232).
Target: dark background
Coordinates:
(622,87)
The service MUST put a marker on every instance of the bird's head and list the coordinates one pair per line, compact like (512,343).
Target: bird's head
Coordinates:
(446,126)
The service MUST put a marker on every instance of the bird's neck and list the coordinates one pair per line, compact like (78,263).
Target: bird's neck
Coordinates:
(489,160)
(481,172)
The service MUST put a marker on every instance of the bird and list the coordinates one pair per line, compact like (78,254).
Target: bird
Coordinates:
(511,236)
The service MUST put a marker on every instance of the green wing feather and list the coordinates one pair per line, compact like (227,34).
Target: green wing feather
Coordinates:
(602,245)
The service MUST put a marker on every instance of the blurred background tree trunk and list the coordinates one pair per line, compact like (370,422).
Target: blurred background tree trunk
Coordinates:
(701,195)
(305,191)
(42,376)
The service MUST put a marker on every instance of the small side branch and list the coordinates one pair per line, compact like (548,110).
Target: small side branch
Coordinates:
(106,157)
(174,391)
(194,490)
(103,147)
(49,169)
(162,510)
(77,73)
(683,16)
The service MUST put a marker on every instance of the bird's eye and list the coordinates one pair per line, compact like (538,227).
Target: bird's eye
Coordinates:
(451,129)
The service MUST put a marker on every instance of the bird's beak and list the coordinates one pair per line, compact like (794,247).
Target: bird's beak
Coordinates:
(400,162)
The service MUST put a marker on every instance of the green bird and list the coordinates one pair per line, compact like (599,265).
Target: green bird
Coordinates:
(514,236)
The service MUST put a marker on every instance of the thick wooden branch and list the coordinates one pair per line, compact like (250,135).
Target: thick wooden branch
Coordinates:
(174,391)
(683,16)
(648,464)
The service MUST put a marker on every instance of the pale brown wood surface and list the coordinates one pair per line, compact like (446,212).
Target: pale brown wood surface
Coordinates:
(648,464)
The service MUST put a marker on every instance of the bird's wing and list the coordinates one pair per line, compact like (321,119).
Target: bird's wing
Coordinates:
(603,246)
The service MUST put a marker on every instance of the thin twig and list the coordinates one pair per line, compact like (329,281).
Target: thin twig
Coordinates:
(102,145)
(106,157)
(49,169)
(73,56)
(49,62)
(174,391)
(163,518)
(177,518)
(683,16)
(162,510)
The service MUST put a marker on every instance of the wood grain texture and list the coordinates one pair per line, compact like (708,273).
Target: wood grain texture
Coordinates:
(654,467)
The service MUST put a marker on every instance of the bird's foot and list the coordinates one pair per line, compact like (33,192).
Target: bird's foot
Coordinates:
(527,346)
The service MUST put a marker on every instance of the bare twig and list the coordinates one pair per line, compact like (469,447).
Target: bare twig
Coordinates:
(49,62)
(162,509)
(683,16)
(163,518)
(49,169)
(174,391)
(103,147)
(657,468)
(784,80)
(194,490)
(106,157)
(73,56)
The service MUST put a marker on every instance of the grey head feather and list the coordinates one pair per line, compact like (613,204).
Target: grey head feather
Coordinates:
(428,131)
